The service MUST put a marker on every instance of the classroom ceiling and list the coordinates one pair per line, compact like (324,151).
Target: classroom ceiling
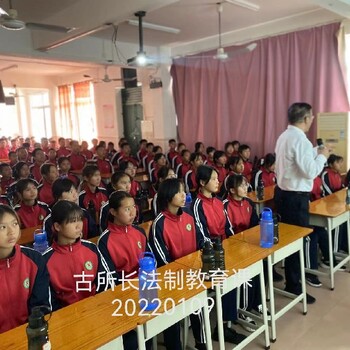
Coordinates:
(196,19)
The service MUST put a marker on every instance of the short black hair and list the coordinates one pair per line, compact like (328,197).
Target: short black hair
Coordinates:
(22,184)
(269,160)
(60,186)
(334,158)
(60,160)
(242,148)
(90,170)
(116,198)
(227,144)
(166,192)
(17,169)
(233,161)
(157,156)
(171,141)
(298,111)
(117,176)
(234,181)
(204,174)
(218,154)
(197,146)
(194,156)
(64,212)
(45,168)
(210,149)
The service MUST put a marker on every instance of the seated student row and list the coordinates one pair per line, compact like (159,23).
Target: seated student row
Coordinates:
(67,223)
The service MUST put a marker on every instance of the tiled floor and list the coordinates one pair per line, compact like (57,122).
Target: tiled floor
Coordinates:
(325,327)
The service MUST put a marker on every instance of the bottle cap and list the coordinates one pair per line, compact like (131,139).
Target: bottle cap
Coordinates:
(36,318)
(147,261)
(266,214)
(40,236)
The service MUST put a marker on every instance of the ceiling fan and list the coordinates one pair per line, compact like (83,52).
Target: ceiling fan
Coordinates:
(9,20)
(15,94)
(107,79)
(221,54)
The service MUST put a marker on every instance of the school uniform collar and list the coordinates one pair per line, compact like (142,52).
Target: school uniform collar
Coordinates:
(173,217)
(118,229)
(67,248)
(12,259)
(235,202)
(204,198)
(28,208)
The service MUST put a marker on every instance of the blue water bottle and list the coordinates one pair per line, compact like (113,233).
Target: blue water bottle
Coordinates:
(266,228)
(148,292)
(188,200)
(40,241)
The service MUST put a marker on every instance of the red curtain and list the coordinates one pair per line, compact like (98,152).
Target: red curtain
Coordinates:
(247,97)
(64,98)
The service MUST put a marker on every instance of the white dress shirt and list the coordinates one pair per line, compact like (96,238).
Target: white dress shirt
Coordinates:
(296,164)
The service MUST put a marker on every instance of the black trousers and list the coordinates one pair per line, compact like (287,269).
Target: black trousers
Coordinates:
(294,209)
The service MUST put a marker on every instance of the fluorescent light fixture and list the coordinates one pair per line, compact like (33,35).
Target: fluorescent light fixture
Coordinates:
(246,4)
(154,26)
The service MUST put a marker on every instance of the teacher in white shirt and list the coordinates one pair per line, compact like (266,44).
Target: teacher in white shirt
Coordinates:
(296,168)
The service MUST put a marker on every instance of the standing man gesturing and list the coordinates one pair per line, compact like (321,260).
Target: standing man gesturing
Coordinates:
(296,168)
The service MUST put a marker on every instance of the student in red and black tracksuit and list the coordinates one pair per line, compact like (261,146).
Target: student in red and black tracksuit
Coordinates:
(77,160)
(142,151)
(149,155)
(62,150)
(191,186)
(177,158)
(85,151)
(163,173)
(210,156)
(49,174)
(119,182)
(31,212)
(92,193)
(39,159)
(64,168)
(229,150)
(6,177)
(266,173)
(242,214)
(122,243)
(172,151)
(244,153)
(236,167)
(64,189)
(332,182)
(159,161)
(23,274)
(69,257)
(210,216)
(220,161)
(130,169)
(185,165)
(174,234)
(103,164)
(199,148)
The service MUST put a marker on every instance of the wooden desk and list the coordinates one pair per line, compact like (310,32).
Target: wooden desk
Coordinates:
(27,235)
(239,256)
(330,212)
(141,177)
(290,241)
(146,226)
(99,322)
(269,193)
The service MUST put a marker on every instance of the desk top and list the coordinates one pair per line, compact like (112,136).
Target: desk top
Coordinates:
(332,205)
(238,255)
(89,324)
(27,235)
(269,192)
(287,234)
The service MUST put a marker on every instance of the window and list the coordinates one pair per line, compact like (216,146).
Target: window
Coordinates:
(40,115)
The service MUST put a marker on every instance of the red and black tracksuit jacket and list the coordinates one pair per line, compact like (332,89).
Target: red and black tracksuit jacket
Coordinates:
(63,152)
(267,177)
(242,214)
(72,177)
(24,284)
(104,166)
(317,191)
(331,181)
(89,226)
(182,169)
(35,171)
(45,193)
(173,236)
(77,161)
(248,168)
(190,181)
(211,218)
(99,197)
(121,246)
(135,187)
(32,215)
(66,265)
(6,183)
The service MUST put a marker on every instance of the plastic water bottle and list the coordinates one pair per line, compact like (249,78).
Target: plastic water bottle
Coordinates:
(148,292)
(188,200)
(37,330)
(40,241)
(276,234)
(260,190)
(266,228)
(219,254)
(208,259)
